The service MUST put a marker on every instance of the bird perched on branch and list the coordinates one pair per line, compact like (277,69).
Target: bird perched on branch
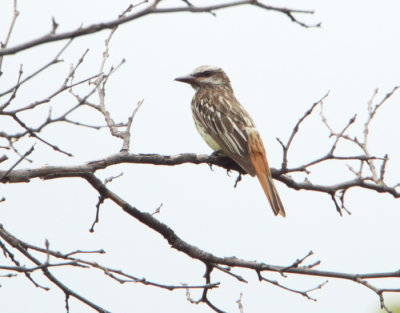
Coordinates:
(227,128)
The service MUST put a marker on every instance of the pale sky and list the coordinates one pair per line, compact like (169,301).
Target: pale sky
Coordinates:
(278,70)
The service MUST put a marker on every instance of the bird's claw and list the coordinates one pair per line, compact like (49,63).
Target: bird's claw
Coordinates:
(238,179)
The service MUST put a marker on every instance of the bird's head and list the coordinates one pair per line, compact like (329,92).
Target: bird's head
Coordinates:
(206,76)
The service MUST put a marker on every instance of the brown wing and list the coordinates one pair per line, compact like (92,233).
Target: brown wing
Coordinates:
(225,120)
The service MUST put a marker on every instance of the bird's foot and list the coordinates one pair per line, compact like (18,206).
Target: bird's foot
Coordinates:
(238,179)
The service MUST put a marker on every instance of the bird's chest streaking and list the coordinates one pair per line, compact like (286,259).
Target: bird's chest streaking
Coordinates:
(226,126)
(207,138)
(222,121)
(203,110)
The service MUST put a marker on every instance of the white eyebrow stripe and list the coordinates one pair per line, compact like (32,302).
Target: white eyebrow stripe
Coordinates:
(205,68)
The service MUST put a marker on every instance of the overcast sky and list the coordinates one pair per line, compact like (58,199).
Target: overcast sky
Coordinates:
(278,70)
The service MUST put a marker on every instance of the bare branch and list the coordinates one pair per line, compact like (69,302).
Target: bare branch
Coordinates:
(227,270)
(151,9)
(33,134)
(240,304)
(298,261)
(157,210)
(127,133)
(71,260)
(14,92)
(210,259)
(23,157)
(226,265)
(4,44)
(379,292)
(100,84)
(52,172)
(97,218)
(296,129)
(41,69)
(304,293)
(376,182)
(18,245)
(3,158)
(289,13)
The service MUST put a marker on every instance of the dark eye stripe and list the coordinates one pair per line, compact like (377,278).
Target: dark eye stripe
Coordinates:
(204,74)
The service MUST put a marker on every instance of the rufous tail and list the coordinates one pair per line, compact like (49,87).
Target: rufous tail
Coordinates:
(264,176)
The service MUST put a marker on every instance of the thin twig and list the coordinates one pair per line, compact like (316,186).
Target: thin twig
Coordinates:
(23,157)
(4,44)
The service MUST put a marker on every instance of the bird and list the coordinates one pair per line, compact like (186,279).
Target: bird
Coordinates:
(228,129)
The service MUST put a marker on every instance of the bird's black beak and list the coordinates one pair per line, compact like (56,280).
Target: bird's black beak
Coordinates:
(189,79)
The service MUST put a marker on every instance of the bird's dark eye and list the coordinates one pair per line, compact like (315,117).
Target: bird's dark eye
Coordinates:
(204,74)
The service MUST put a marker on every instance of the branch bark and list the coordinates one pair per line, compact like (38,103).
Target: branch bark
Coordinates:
(149,9)
(52,172)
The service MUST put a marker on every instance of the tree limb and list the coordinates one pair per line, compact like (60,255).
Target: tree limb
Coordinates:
(150,9)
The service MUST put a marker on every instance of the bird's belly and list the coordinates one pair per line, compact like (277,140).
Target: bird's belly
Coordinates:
(208,139)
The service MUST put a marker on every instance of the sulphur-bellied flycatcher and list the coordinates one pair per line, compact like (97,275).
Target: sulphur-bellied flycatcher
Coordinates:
(226,127)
